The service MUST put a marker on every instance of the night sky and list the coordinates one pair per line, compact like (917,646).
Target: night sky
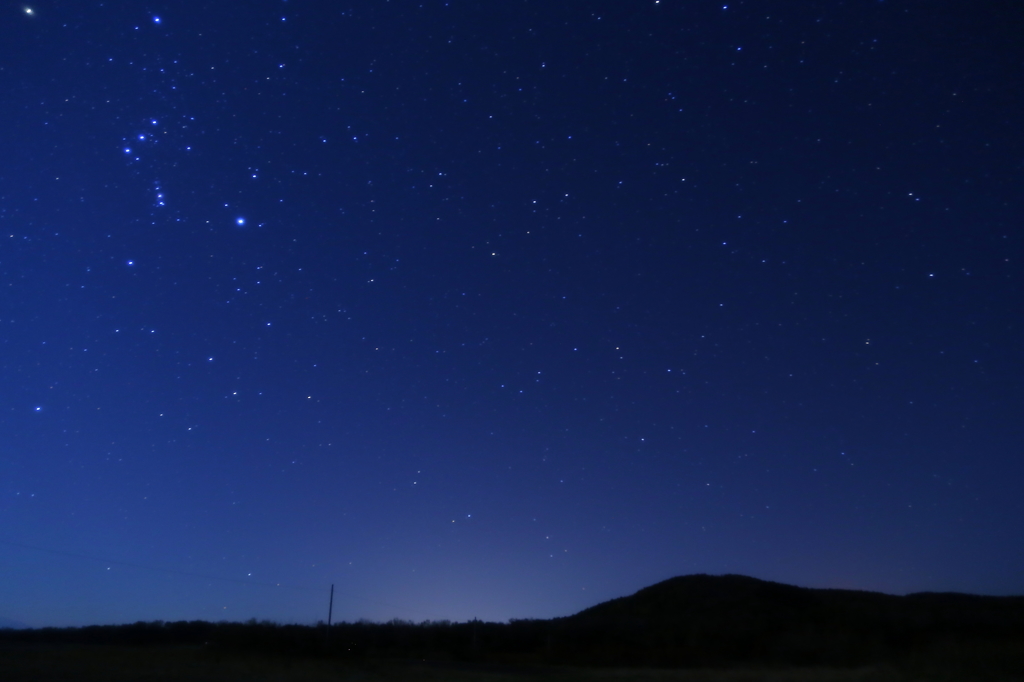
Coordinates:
(503,309)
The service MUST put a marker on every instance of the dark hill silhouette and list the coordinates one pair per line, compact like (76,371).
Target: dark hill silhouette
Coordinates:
(707,620)
(738,602)
(712,601)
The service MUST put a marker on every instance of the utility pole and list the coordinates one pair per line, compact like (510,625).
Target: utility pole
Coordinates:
(330,612)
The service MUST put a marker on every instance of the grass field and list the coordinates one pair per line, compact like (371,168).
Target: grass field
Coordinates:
(163,664)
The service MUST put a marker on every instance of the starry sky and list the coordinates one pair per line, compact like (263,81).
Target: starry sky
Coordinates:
(503,309)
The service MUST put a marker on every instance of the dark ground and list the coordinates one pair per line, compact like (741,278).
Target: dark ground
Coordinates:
(687,629)
(79,663)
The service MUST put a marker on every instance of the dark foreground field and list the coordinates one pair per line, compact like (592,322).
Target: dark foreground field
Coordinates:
(96,663)
(687,629)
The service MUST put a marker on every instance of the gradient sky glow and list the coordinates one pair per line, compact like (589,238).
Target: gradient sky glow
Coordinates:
(504,309)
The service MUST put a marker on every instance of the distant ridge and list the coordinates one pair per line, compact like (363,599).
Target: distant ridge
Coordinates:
(696,619)
(697,595)
(724,599)
(700,591)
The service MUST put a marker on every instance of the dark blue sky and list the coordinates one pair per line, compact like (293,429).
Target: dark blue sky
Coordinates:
(503,309)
